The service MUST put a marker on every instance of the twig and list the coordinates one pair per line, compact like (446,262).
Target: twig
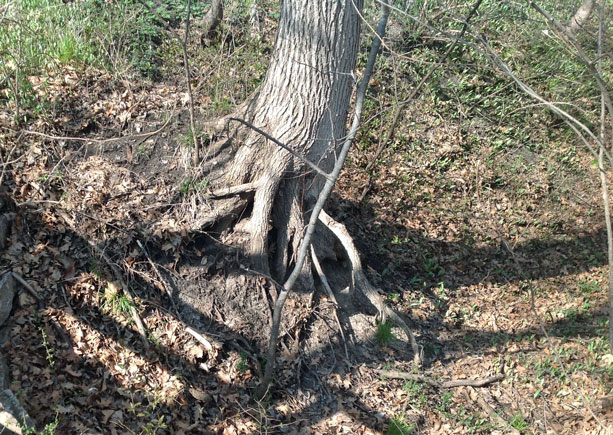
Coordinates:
(271,279)
(603,175)
(303,159)
(119,277)
(6,162)
(564,31)
(398,110)
(492,413)
(324,282)
(197,335)
(196,156)
(206,343)
(166,286)
(555,351)
(28,287)
(99,141)
(394,374)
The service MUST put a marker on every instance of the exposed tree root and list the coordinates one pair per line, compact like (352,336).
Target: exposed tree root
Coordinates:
(362,284)
(234,190)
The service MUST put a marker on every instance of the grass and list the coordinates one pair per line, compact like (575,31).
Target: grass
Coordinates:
(41,37)
(400,426)
(116,301)
(384,334)
(518,422)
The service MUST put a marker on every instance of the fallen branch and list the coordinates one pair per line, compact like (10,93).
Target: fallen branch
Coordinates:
(206,343)
(99,141)
(164,284)
(330,293)
(493,414)
(394,374)
(28,287)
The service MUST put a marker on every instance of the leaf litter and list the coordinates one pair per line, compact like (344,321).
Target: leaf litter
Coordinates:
(445,232)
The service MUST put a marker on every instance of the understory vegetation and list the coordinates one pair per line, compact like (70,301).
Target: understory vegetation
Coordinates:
(477,213)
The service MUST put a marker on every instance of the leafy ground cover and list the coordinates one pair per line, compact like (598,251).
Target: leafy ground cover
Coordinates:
(481,224)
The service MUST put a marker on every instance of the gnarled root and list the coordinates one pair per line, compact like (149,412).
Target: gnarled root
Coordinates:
(362,284)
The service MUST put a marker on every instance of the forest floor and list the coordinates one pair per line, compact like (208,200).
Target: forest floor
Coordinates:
(495,255)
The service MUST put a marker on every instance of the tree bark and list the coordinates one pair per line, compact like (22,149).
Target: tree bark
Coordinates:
(303,103)
(581,16)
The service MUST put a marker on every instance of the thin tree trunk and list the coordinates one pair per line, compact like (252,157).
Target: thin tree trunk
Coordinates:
(581,16)
(603,175)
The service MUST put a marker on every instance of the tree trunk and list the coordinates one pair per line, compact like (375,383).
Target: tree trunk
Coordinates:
(303,103)
(581,16)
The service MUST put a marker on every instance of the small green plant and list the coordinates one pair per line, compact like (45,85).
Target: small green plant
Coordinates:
(384,333)
(154,427)
(518,422)
(49,356)
(94,266)
(400,426)
(49,428)
(116,301)
(444,403)
(393,298)
(190,185)
(431,266)
(52,176)
(416,393)
(588,287)
(242,365)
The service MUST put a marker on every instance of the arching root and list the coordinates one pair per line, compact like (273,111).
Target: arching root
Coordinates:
(362,284)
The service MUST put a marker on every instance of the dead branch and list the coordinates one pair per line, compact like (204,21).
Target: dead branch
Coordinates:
(100,141)
(206,343)
(285,147)
(7,162)
(118,277)
(603,174)
(493,414)
(330,293)
(157,272)
(28,287)
(394,374)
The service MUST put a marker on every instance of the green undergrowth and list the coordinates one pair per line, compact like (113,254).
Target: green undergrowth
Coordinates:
(119,35)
